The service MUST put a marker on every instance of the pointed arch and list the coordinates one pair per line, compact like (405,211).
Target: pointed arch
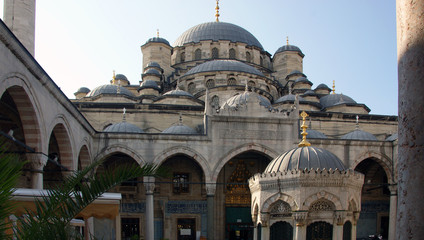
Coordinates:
(119,148)
(382,159)
(84,158)
(267,205)
(323,195)
(240,149)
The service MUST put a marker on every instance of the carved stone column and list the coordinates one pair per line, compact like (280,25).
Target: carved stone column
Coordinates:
(210,194)
(410,42)
(300,229)
(339,217)
(265,229)
(149,184)
(37,161)
(393,212)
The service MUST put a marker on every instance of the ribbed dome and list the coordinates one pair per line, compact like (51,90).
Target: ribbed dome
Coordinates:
(109,89)
(123,127)
(289,98)
(157,40)
(152,71)
(149,84)
(315,134)
(244,98)
(224,65)
(359,135)
(335,99)
(292,48)
(83,90)
(179,129)
(305,158)
(178,92)
(217,31)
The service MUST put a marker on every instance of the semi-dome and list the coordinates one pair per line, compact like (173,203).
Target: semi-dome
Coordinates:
(216,31)
(358,134)
(288,98)
(157,40)
(291,48)
(109,89)
(123,127)
(121,77)
(244,98)
(179,129)
(335,99)
(224,65)
(178,92)
(301,158)
(149,84)
(83,90)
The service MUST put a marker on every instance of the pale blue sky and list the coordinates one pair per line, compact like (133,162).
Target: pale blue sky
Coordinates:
(80,42)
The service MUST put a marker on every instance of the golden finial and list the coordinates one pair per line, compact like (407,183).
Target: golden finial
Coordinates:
(157,32)
(304,142)
(287,40)
(217,11)
(113,77)
(334,86)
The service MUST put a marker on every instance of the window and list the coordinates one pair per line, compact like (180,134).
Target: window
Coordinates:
(248,57)
(215,102)
(210,83)
(232,82)
(198,54)
(251,83)
(130,228)
(191,87)
(232,53)
(215,53)
(182,57)
(180,182)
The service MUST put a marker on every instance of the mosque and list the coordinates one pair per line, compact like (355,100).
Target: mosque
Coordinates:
(256,149)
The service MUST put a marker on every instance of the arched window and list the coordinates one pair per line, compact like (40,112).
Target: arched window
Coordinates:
(319,230)
(191,87)
(347,231)
(251,84)
(182,57)
(215,53)
(232,82)
(210,83)
(198,54)
(232,53)
(248,57)
(215,102)
(281,231)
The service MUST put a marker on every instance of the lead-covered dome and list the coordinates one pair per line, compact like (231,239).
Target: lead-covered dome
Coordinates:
(301,158)
(109,89)
(157,40)
(244,98)
(291,48)
(123,127)
(178,92)
(216,31)
(224,65)
(358,134)
(180,129)
(335,99)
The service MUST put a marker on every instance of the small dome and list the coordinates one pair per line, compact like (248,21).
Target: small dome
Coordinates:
(303,80)
(216,31)
(153,64)
(178,92)
(152,71)
(305,158)
(291,48)
(392,137)
(335,99)
(149,84)
(315,134)
(359,135)
(295,72)
(310,93)
(244,98)
(323,86)
(121,77)
(179,129)
(158,40)
(123,127)
(83,90)
(224,65)
(288,98)
(109,89)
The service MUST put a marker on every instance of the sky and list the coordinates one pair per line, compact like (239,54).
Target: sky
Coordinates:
(79,43)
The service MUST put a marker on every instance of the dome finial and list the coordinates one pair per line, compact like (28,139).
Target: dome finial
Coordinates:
(180,121)
(157,32)
(217,11)
(304,142)
(123,114)
(357,122)
(334,87)
(113,77)
(287,40)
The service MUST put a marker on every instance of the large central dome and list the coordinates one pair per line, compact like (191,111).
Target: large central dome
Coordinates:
(217,31)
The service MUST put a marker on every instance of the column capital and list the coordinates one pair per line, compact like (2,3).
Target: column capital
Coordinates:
(37,160)
(300,217)
(149,184)
(264,219)
(393,189)
(210,189)
(339,217)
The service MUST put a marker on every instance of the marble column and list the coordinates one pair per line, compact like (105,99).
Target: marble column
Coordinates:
(37,161)
(265,231)
(210,194)
(339,217)
(410,42)
(149,184)
(300,228)
(393,212)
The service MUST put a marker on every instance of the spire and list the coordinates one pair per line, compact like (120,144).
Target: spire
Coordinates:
(157,33)
(334,87)
(113,77)
(357,123)
(287,40)
(304,142)
(217,11)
